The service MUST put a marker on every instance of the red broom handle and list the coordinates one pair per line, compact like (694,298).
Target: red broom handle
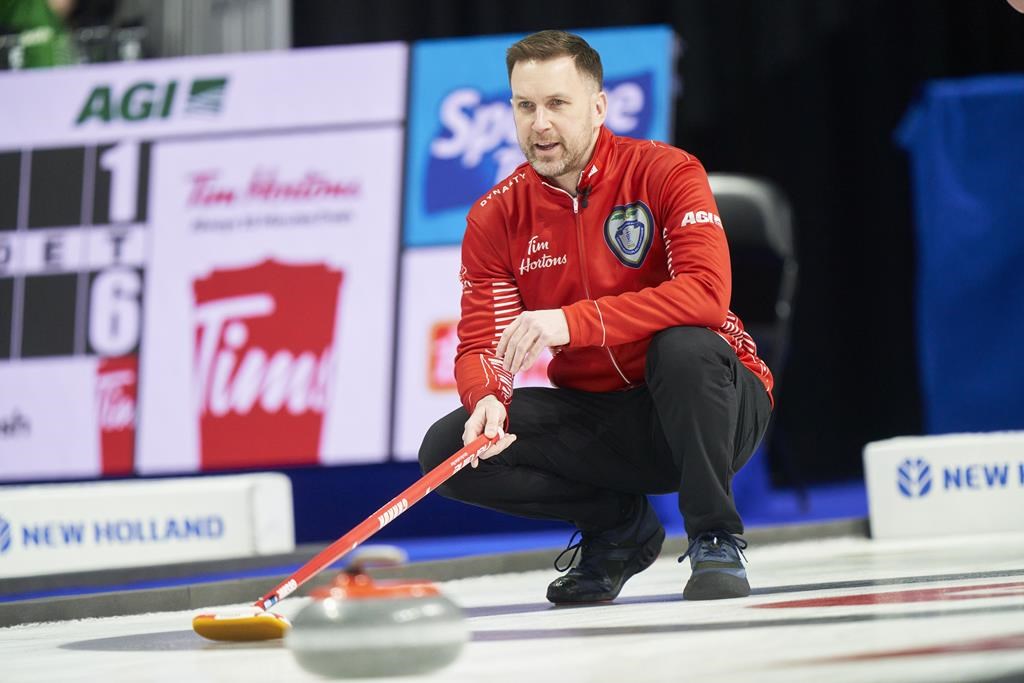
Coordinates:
(377,521)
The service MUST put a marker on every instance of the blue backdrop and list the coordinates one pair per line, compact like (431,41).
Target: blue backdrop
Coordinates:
(966,144)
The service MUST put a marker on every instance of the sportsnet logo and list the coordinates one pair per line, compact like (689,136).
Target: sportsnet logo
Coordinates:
(475,145)
(263,360)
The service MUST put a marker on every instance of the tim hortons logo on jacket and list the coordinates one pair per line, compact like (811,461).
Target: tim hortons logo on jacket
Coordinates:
(537,257)
(264,340)
(116,387)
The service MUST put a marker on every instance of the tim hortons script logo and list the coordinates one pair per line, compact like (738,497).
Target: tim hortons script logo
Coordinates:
(116,387)
(264,185)
(536,258)
(264,343)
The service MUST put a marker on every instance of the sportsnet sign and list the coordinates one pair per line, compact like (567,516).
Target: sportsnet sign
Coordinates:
(462,138)
(475,146)
(940,485)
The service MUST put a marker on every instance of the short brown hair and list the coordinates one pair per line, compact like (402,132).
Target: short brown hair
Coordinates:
(545,45)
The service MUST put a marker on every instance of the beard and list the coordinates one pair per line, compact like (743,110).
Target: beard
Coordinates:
(571,157)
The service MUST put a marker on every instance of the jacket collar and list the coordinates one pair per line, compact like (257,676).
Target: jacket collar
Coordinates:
(595,169)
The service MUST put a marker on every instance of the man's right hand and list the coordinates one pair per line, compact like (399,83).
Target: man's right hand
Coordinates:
(488,418)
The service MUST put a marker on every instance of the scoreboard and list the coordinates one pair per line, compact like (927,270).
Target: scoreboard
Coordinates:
(136,200)
(72,251)
(72,262)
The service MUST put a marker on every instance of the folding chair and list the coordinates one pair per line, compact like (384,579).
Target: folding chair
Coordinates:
(758,223)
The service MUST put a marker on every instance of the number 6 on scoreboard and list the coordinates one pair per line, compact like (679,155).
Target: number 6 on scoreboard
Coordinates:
(114,315)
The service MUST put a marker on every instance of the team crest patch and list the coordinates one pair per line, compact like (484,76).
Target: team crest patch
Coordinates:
(627,232)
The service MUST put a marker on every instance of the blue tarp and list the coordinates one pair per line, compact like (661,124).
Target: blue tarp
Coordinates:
(966,145)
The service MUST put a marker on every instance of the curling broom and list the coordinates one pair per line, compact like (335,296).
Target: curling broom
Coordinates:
(263,625)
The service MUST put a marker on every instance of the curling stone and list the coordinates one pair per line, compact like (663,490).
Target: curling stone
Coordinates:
(357,627)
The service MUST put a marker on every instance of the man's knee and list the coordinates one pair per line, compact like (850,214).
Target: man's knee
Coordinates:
(442,439)
(684,351)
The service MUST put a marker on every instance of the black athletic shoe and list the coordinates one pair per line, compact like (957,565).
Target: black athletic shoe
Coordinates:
(717,569)
(608,559)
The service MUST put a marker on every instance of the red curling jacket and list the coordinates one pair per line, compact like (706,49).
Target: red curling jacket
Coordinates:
(638,250)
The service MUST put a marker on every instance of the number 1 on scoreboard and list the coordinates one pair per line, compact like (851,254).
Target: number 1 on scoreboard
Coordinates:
(122,162)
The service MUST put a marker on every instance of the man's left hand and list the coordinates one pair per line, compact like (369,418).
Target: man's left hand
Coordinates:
(527,335)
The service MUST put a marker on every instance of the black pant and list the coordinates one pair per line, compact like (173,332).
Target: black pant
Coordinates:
(585,457)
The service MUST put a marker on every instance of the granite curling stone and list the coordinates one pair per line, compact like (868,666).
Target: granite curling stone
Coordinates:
(360,628)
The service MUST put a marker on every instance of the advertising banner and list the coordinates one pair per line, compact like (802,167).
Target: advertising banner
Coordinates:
(57,528)
(926,486)
(222,94)
(46,433)
(462,139)
(80,162)
(269,326)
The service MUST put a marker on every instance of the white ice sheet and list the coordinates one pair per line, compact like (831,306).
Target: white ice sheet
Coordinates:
(955,612)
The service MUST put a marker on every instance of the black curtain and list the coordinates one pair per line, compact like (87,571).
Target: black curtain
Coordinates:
(806,93)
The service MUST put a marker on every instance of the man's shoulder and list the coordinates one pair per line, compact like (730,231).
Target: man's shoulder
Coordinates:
(652,151)
(509,186)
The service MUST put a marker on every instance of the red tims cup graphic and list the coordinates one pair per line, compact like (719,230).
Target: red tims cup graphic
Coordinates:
(116,387)
(264,343)
(444,344)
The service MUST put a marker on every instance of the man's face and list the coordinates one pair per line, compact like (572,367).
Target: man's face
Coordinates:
(558,112)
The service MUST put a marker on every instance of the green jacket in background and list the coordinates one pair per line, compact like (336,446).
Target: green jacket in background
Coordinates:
(43,36)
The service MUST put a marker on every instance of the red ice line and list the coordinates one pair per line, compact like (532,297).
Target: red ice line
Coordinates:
(976,592)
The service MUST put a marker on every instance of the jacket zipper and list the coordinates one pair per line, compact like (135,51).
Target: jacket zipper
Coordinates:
(583,267)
